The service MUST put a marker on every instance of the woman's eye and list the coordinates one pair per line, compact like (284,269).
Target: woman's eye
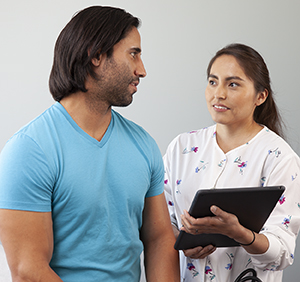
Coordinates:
(233,84)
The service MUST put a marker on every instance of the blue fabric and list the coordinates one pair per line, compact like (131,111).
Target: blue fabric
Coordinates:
(95,191)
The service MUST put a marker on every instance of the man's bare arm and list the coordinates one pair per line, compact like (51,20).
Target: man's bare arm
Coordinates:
(161,259)
(27,239)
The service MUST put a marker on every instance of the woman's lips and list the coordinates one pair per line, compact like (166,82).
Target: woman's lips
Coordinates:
(220,108)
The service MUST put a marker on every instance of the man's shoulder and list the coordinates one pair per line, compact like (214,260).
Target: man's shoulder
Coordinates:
(38,130)
(38,123)
(131,127)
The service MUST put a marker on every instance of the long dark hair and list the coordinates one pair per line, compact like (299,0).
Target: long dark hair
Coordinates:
(90,33)
(256,69)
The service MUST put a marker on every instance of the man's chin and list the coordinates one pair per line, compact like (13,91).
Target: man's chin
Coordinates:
(123,104)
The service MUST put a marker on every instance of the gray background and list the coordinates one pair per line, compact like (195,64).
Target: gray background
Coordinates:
(178,40)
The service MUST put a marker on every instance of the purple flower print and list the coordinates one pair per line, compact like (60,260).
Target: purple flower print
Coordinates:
(241,164)
(170,203)
(209,272)
(277,152)
(273,267)
(286,221)
(190,266)
(166,181)
(178,182)
(193,270)
(201,167)
(207,269)
(193,149)
(229,265)
(282,199)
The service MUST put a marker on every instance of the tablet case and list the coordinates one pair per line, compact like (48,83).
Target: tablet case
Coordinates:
(252,206)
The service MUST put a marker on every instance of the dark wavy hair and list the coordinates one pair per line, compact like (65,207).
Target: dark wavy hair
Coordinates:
(255,69)
(90,33)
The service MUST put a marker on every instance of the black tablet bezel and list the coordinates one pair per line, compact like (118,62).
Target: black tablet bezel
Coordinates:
(252,206)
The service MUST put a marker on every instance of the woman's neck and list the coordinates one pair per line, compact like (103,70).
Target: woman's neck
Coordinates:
(229,138)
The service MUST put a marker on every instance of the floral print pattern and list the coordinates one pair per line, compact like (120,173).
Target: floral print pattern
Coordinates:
(241,164)
(192,269)
(201,164)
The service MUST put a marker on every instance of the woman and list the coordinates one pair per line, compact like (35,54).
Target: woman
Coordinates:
(242,149)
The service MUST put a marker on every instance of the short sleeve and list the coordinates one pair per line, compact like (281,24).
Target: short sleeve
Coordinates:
(157,172)
(25,179)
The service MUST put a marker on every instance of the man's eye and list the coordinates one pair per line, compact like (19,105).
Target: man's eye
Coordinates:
(211,82)
(133,54)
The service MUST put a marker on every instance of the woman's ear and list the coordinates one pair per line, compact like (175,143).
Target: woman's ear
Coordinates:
(261,97)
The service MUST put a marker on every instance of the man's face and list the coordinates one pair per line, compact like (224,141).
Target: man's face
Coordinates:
(119,75)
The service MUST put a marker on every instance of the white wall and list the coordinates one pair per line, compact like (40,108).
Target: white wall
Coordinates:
(178,39)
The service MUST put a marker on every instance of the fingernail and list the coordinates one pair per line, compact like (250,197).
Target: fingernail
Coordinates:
(213,208)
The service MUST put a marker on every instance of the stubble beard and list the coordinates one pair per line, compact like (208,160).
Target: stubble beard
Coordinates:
(113,85)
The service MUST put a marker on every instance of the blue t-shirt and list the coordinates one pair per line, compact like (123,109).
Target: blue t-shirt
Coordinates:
(95,191)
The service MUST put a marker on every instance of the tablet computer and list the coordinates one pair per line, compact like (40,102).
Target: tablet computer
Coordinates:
(252,206)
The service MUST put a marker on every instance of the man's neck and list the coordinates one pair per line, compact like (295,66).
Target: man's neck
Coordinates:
(92,119)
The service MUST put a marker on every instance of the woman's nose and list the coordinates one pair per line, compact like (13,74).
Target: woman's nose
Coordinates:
(220,93)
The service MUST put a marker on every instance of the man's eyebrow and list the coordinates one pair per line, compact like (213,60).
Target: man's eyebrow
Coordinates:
(136,49)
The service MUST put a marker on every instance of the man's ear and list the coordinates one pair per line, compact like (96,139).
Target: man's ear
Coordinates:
(97,60)
(261,97)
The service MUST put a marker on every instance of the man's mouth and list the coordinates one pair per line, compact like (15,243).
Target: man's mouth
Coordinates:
(135,83)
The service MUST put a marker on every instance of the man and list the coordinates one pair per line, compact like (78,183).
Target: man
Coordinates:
(81,187)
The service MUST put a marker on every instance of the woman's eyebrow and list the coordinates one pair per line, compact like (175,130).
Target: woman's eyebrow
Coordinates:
(213,76)
(234,77)
(227,78)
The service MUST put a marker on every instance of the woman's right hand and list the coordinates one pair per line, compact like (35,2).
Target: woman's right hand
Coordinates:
(199,252)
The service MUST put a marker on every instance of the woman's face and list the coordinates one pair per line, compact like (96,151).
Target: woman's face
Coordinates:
(230,95)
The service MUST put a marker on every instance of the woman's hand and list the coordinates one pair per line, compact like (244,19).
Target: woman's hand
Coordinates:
(199,252)
(226,224)
(222,223)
